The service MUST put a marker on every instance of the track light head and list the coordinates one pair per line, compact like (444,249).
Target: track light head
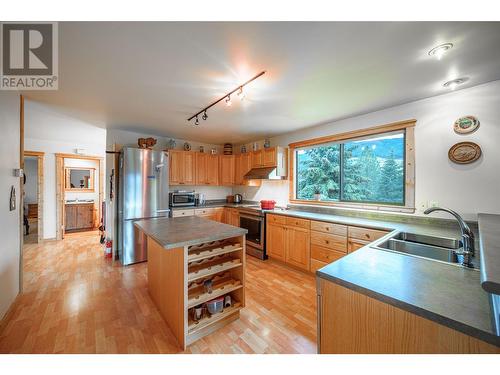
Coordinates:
(241,94)
(228,101)
(204,117)
(196,121)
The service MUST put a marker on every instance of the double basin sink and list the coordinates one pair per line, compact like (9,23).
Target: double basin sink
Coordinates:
(435,248)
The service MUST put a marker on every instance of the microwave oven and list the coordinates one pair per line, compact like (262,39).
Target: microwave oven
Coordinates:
(181,198)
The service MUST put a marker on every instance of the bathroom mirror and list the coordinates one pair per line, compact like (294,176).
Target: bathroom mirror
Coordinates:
(79,179)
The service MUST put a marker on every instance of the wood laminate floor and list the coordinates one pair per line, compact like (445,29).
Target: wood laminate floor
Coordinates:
(75,301)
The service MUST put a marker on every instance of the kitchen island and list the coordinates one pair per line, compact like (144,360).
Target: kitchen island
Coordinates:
(192,261)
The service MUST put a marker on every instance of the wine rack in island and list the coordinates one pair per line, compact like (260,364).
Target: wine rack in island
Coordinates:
(188,283)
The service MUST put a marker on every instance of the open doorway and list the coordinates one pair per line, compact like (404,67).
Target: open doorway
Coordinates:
(33,197)
(79,193)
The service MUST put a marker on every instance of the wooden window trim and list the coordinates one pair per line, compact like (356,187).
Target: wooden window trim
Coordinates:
(407,125)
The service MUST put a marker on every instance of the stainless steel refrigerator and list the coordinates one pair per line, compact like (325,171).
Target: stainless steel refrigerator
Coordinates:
(142,194)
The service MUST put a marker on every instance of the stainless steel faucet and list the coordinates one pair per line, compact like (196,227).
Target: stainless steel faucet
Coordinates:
(467,236)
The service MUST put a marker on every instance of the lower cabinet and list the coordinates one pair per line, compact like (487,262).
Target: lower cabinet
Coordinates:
(289,242)
(311,245)
(354,244)
(350,322)
(298,247)
(79,216)
(275,241)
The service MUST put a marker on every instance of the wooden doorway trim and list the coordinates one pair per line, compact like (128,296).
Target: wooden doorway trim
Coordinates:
(60,178)
(40,182)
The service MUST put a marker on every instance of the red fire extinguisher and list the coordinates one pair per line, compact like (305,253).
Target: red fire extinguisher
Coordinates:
(108,253)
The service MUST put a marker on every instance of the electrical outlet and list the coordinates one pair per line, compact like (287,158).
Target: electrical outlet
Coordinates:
(433,204)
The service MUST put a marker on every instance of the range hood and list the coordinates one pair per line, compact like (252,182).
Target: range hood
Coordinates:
(263,173)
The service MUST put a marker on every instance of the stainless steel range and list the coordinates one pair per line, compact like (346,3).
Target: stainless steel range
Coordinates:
(253,219)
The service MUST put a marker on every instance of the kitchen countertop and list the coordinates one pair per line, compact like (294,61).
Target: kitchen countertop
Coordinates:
(489,239)
(215,204)
(428,226)
(444,293)
(185,231)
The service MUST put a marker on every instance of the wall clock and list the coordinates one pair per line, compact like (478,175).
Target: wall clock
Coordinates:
(466,124)
(464,152)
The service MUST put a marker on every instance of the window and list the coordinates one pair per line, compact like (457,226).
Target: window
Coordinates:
(367,170)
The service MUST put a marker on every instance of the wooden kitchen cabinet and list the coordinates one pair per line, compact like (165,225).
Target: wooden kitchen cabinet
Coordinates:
(257,159)
(298,247)
(226,170)
(288,240)
(79,216)
(182,167)
(269,157)
(275,241)
(231,216)
(355,244)
(207,169)
(350,322)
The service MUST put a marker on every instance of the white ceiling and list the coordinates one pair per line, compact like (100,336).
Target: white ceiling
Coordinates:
(151,77)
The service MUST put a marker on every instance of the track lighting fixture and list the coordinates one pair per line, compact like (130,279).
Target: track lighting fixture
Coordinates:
(226,98)
(241,94)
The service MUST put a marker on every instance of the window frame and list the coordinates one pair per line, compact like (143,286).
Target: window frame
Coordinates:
(408,206)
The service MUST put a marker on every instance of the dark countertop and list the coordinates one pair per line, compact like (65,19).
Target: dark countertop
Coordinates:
(215,204)
(185,231)
(489,242)
(444,293)
(429,226)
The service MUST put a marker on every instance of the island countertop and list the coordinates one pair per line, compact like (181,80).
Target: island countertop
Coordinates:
(185,231)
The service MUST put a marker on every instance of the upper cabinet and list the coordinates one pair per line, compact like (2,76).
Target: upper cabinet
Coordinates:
(182,167)
(198,168)
(257,159)
(207,169)
(272,157)
(226,169)
(243,163)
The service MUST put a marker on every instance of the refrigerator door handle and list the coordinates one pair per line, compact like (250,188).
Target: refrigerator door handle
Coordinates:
(167,210)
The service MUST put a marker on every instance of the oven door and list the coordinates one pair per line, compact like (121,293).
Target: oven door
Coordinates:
(255,227)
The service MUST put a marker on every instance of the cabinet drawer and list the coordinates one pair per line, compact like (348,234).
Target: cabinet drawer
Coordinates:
(276,219)
(316,265)
(365,234)
(330,241)
(299,223)
(338,229)
(324,254)
(178,213)
(204,211)
(354,245)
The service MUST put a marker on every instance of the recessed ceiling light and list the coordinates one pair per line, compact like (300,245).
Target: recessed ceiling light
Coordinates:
(440,50)
(455,82)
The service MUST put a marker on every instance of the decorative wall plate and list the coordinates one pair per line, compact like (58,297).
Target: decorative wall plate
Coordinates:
(464,152)
(466,124)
